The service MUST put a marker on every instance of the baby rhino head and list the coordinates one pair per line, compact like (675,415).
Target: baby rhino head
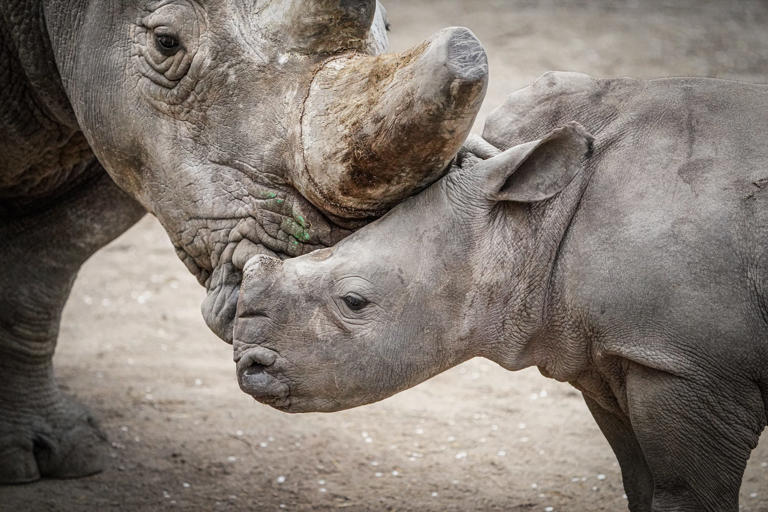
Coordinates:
(406,297)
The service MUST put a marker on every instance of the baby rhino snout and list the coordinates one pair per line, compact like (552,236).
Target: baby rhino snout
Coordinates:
(256,369)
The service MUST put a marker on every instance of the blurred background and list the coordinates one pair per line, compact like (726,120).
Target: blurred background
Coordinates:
(134,348)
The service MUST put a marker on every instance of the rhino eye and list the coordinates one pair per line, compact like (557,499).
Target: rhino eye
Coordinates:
(354,301)
(167,44)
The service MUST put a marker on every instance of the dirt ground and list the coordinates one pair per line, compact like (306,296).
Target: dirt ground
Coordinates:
(134,347)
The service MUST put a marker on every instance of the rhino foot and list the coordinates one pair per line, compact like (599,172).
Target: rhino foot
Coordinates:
(61,442)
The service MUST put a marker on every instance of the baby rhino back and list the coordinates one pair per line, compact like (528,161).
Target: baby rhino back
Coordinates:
(663,274)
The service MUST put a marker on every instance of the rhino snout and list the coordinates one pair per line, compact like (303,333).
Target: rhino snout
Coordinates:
(253,374)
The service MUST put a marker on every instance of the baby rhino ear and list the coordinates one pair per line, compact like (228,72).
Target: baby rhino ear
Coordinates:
(540,169)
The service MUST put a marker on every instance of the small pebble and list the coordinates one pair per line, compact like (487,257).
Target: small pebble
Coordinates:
(321,482)
(378,474)
(263,444)
(601,476)
(501,453)
(186,485)
(461,455)
(434,494)
(753,495)
(548,509)
(231,458)
(323,489)
(395,473)
(280,479)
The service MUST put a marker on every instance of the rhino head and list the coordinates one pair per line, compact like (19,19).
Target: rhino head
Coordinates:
(262,126)
(450,274)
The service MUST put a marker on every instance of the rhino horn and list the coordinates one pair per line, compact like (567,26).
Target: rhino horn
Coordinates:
(375,129)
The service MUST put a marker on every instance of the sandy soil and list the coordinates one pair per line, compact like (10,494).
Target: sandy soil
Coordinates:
(134,348)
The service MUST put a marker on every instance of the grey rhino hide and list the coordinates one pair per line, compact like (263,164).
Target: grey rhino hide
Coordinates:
(636,269)
(245,126)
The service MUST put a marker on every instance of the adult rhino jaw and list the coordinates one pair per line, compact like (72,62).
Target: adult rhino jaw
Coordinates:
(374,129)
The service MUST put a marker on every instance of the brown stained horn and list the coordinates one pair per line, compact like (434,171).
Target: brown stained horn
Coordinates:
(376,129)
(321,26)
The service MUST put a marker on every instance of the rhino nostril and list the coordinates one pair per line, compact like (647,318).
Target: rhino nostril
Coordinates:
(253,314)
(254,356)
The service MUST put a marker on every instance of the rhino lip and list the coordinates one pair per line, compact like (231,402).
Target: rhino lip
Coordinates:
(255,379)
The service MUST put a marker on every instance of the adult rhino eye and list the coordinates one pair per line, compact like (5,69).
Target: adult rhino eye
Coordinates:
(167,44)
(354,301)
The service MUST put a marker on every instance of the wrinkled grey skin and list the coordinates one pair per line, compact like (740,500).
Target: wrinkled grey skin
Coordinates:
(261,128)
(636,270)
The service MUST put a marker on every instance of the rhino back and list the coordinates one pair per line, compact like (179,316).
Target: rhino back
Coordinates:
(667,255)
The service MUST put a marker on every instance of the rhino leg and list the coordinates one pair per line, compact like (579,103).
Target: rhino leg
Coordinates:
(696,433)
(42,432)
(637,479)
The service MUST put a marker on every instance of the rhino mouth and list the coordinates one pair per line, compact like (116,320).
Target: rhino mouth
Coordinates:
(256,376)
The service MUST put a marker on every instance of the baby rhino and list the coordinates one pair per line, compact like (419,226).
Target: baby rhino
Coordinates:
(636,270)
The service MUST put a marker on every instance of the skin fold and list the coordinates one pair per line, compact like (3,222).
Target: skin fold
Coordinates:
(610,232)
(245,127)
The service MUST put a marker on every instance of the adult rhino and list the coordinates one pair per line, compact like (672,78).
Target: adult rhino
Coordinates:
(244,126)
(634,266)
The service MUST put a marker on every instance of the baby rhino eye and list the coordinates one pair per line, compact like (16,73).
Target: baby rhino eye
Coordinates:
(354,301)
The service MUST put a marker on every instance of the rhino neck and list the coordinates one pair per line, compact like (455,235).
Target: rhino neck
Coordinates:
(37,52)
(43,151)
(530,325)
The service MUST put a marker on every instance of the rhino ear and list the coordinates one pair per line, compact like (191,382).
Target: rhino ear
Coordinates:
(538,170)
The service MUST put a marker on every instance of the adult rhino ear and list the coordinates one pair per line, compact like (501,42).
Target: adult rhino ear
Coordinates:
(538,170)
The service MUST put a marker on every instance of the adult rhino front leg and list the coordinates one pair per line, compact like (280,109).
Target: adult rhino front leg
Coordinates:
(42,431)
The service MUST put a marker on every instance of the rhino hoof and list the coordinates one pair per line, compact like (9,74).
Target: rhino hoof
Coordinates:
(64,444)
